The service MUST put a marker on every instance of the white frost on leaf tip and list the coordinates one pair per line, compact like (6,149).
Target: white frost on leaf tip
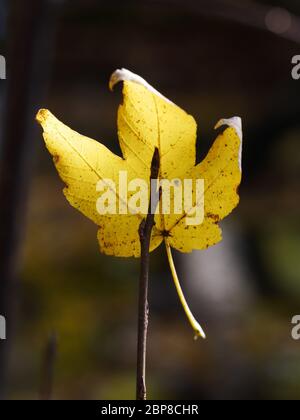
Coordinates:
(236,123)
(122,75)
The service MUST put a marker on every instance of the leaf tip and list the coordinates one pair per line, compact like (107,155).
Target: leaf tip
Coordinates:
(42,116)
(124,75)
(234,122)
(119,75)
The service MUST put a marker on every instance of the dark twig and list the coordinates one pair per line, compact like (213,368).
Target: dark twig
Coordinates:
(143,309)
(47,372)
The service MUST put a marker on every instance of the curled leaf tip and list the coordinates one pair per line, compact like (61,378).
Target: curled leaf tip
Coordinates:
(124,75)
(119,75)
(236,123)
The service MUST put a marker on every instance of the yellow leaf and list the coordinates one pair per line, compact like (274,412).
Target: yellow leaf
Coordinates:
(147,120)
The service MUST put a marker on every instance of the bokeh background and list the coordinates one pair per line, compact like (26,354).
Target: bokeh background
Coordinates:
(72,312)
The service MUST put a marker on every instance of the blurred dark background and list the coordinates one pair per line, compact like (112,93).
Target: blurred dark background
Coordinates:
(215,59)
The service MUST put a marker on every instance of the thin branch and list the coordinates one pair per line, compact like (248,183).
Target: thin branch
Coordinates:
(143,309)
(47,373)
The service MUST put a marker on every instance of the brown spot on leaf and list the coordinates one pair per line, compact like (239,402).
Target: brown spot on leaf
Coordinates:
(56,159)
(215,217)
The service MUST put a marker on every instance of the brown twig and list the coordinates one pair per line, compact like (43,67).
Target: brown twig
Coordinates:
(143,309)
(47,372)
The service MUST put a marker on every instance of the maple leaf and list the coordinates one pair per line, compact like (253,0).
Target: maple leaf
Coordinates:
(146,121)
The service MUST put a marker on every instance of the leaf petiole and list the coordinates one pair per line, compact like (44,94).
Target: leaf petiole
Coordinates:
(194,323)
